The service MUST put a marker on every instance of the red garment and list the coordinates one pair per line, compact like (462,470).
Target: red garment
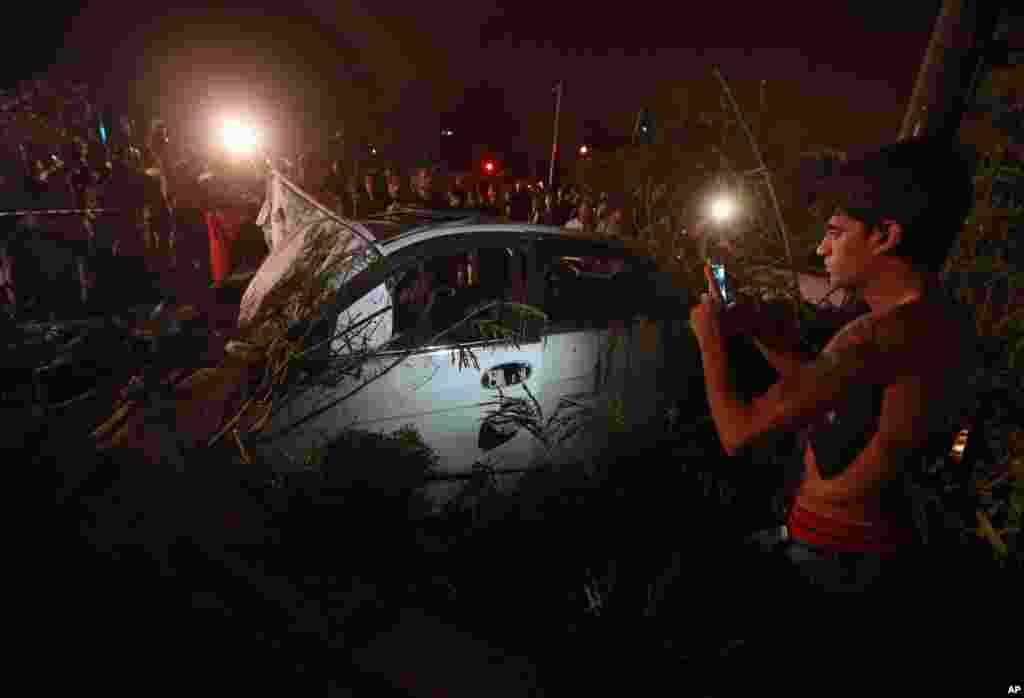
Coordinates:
(848,536)
(223,226)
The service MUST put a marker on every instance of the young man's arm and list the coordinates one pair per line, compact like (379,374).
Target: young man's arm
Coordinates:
(772,332)
(786,362)
(870,354)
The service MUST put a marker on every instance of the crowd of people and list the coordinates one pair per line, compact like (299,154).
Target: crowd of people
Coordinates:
(101,216)
(144,217)
(646,219)
(95,216)
(605,214)
(77,234)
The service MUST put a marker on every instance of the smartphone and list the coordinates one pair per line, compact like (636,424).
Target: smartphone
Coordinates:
(725,292)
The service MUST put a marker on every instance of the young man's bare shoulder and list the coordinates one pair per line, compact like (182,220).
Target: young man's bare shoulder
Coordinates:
(929,325)
(908,327)
(856,331)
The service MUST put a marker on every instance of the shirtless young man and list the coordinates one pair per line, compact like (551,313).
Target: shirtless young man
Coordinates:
(884,386)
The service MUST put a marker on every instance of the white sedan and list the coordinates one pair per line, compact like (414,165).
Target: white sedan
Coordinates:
(597,352)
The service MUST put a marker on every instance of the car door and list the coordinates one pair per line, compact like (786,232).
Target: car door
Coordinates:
(602,349)
(437,373)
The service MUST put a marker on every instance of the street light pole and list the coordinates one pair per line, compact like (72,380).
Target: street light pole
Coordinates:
(554,142)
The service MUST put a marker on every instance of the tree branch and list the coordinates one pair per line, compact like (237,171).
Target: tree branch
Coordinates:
(767,178)
(405,355)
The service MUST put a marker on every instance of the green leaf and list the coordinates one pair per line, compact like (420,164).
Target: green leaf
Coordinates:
(315,457)
(986,263)
(617,415)
(1016,280)
(1016,512)
(1017,354)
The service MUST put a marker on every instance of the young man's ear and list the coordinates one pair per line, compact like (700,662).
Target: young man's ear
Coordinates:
(887,236)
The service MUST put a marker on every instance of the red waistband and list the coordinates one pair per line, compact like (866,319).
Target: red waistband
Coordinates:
(845,536)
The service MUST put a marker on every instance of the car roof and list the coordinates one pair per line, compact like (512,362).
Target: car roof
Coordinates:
(407,227)
(389,225)
(404,228)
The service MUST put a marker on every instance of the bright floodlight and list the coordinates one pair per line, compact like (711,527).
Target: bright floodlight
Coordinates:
(584,150)
(239,138)
(722,209)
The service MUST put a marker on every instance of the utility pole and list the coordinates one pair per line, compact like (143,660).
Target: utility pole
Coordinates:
(554,143)
(952,63)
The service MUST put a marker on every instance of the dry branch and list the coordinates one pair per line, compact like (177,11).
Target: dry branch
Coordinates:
(766,173)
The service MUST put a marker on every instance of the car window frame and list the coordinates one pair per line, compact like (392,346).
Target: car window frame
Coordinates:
(573,247)
(406,257)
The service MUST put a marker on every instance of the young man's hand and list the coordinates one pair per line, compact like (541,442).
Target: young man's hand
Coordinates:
(705,317)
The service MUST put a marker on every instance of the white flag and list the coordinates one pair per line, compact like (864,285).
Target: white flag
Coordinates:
(296,226)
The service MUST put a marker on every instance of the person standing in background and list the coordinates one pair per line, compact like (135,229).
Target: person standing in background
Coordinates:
(158,216)
(397,197)
(338,191)
(584,221)
(518,208)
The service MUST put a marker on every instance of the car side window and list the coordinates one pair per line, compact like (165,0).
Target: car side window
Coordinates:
(587,287)
(434,294)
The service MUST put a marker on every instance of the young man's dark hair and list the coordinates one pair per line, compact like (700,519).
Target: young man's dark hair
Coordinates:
(924,185)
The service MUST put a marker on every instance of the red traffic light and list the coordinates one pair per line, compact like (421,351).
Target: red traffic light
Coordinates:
(489,167)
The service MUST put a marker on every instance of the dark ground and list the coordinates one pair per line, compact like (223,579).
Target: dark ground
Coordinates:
(198,582)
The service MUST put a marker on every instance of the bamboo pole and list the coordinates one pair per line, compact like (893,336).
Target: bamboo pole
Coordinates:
(554,142)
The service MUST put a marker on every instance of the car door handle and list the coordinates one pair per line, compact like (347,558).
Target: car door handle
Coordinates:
(504,375)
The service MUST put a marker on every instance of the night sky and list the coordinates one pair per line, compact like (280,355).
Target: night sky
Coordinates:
(843,70)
